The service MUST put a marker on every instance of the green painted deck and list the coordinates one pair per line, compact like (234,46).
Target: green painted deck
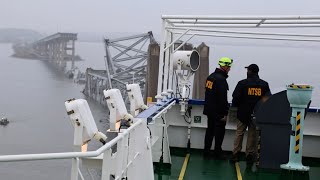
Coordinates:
(210,169)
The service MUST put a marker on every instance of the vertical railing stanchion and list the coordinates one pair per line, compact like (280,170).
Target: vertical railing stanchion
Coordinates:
(106,165)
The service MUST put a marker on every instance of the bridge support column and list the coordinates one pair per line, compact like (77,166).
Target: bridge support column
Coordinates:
(73,53)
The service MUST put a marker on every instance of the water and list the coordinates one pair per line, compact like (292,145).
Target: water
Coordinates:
(33,94)
(32,98)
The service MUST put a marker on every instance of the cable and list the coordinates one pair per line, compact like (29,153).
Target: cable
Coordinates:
(161,157)
(177,85)
(189,91)
(184,117)
(186,114)
(149,132)
(177,81)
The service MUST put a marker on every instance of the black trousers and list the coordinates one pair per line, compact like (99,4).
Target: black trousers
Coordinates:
(216,129)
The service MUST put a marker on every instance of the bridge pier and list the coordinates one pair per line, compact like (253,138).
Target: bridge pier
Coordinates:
(73,53)
(58,48)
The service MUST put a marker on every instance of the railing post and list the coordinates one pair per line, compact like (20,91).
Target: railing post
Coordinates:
(74,169)
(106,165)
(77,143)
(125,154)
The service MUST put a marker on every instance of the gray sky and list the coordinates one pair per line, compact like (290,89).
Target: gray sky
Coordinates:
(132,15)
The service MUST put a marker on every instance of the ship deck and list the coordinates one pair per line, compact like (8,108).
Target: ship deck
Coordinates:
(199,168)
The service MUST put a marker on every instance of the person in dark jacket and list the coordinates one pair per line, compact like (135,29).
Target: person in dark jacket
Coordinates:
(216,106)
(245,96)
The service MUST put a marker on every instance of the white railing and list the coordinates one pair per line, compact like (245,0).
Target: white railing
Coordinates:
(133,153)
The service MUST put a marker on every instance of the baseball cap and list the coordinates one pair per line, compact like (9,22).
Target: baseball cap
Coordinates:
(253,67)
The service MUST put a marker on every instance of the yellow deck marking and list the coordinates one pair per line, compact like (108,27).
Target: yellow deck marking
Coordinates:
(184,167)
(238,171)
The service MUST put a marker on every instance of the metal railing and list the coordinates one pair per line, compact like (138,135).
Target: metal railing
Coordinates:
(133,147)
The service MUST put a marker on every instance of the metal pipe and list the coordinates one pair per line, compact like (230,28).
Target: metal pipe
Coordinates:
(69,155)
(166,63)
(250,26)
(248,33)
(260,38)
(80,173)
(176,40)
(161,59)
(204,17)
(184,43)
(170,65)
(175,22)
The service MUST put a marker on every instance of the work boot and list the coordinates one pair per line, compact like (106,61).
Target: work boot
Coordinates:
(219,155)
(250,159)
(235,158)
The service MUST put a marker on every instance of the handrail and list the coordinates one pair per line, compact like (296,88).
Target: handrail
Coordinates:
(187,22)
(69,155)
(205,17)
(163,110)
